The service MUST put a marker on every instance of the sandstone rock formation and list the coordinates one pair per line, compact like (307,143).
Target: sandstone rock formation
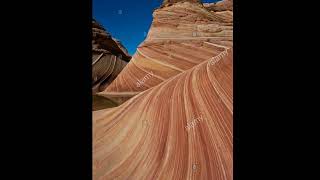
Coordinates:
(178,123)
(109,57)
(147,137)
(170,2)
(181,36)
(225,5)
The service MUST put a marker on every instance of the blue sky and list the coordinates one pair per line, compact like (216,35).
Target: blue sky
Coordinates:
(127,20)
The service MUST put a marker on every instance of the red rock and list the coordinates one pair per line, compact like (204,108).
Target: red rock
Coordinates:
(147,137)
(108,58)
(225,5)
(181,36)
(179,122)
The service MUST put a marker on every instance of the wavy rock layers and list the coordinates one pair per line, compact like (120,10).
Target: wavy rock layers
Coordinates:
(179,124)
(180,129)
(170,2)
(225,5)
(109,57)
(181,36)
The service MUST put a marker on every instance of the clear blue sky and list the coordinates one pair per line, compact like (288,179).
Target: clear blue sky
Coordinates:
(127,20)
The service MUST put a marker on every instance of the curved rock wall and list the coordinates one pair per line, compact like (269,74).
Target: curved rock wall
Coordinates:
(179,122)
(109,57)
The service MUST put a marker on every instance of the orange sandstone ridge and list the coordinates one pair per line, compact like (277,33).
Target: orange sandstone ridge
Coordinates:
(179,122)
(158,135)
(181,36)
(226,5)
(170,2)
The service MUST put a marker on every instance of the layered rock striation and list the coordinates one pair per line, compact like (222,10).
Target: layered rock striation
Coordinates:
(179,122)
(180,129)
(109,57)
(181,36)
(225,5)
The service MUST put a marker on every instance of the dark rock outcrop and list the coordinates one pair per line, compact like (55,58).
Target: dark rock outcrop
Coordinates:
(109,57)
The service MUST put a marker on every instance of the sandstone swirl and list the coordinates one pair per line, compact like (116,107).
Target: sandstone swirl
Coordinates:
(179,122)
(181,36)
(148,136)
(108,58)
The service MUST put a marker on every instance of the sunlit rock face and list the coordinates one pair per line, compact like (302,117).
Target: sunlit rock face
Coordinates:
(181,36)
(225,5)
(178,123)
(180,129)
(109,57)
(166,2)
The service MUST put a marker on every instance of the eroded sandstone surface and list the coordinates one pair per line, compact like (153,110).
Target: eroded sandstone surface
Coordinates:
(179,122)
(225,5)
(181,36)
(109,57)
